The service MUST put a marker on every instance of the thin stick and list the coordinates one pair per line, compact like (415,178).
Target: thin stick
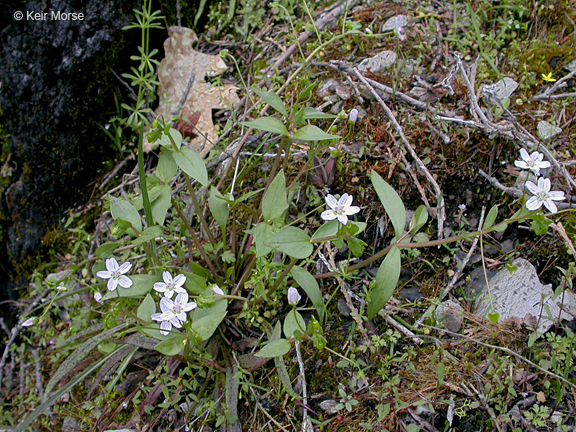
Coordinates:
(303,382)
(441,216)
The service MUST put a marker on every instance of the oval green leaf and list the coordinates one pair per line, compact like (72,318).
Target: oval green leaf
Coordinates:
(392,203)
(292,241)
(313,133)
(386,281)
(267,124)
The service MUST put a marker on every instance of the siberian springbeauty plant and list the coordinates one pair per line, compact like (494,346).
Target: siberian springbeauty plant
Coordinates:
(228,264)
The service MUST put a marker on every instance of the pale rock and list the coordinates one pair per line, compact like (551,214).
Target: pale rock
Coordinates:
(449,313)
(518,298)
(379,63)
(547,131)
(503,89)
(394,23)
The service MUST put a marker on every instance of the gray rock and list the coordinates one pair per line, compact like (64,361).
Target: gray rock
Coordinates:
(379,63)
(571,66)
(449,313)
(394,23)
(503,89)
(70,424)
(519,297)
(343,308)
(477,281)
(547,131)
(328,406)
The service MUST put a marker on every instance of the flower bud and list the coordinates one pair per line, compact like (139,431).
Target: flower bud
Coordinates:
(293,296)
(353,116)
(217,290)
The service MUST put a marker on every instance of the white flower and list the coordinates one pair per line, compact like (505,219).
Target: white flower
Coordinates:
(293,296)
(115,274)
(98,298)
(340,209)
(217,290)
(533,162)
(353,116)
(462,207)
(169,286)
(29,322)
(173,312)
(543,195)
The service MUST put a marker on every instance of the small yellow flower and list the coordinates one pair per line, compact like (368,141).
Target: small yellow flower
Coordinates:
(548,77)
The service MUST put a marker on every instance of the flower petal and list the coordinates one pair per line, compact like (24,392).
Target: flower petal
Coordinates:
(556,195)
(351,210)
(167,276)
(165,327)
(125,282)
(160,287)
(179,280)
(111,264)
(345,200)
(328,215)
(190,306)
(550,205)
(533,203)
(112,284)
(521,164)
(182,298)
(104,274)
(544,184)
(156,317)
(125,267)
(166,304)
(524,155)
(343,219)
(331,201)
(534,190)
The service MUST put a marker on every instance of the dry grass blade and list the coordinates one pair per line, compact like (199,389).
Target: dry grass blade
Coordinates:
(77,356)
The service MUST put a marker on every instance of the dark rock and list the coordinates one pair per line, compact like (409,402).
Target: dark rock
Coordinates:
(411,294)
(343,308)
(57,86)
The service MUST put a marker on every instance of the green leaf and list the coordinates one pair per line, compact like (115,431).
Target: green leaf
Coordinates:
(207,320)
(268,124)
(313,113)
(166,168)
(293,323)
(493,317)
(164,141)
(161,204)
(106,250)
(440,371)
(274,201)
(148,234)
(491,217)
(310,286)
(192,164)
(146,309)
(330,229)
(218,207)
(142,285)
(262,233)
(418,219)
(312,133)
(386,281)
(391,202)
(292,241)
(171,346)
(501,227)
(195,284)
(274,349)
(272,99)
(78,355)
(123,210)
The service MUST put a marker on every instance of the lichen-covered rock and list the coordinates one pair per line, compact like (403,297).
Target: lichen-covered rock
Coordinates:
(57,86)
